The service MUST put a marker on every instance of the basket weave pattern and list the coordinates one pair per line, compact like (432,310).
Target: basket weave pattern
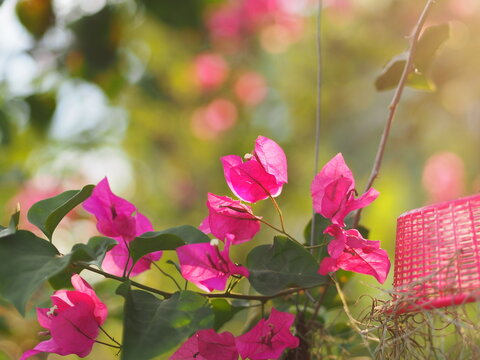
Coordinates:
(437,253)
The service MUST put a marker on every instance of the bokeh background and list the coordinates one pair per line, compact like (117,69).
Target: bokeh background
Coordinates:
(152,93)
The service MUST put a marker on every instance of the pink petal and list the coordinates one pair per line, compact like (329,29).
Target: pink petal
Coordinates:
(356,240)
(48,346)
(206,266)
(334,200)
(205,226)
(106,207)
(363,201)
(272,158)
(43,319)
(213,346)
(142,224)
(337,245)
(367,261)
(116,259)
(188,350)
(249,181)
(229,217)
(100,310)
(269,338)
(328,265)
(228,163)
(332,171)
(75,330)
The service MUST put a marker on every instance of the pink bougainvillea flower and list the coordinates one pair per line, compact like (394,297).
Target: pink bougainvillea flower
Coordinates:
(342,238)
(73,321)
(206,266)
(208,345)
(350,251)
(229,217)
(210,71)
(333,191)
(262,174)
(269,338)
(119,219)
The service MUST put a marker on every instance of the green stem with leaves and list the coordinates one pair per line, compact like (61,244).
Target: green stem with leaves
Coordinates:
(166,294)
(408,68)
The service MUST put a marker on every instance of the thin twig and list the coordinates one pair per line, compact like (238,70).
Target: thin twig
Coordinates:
(207,295)
(408,68)
(167,275)
(279,230)
(319,108)
(109,336)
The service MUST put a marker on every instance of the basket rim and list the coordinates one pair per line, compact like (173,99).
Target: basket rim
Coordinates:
(439,204)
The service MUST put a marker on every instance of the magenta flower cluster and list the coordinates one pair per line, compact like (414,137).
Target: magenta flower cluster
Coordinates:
(74,321)
(258,176)
(266,340)
(333,194)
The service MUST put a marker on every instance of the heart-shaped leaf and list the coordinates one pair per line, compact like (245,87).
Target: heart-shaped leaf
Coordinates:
(168,239)
(91,253)
(26,261)
(284,264)
(153,326)
(47,214)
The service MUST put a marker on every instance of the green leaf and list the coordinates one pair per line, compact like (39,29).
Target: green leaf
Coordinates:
(91,253)
(284,264)
(321,224)
(46,214)
(419,81)
(391,73)
(152,326)
(12,225)
(428,44)
(26,261)
(223,311)
(168,239)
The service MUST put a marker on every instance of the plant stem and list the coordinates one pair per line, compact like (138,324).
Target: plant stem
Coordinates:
(109,336)
(408,68)
(207,295)
(122,279)
(128,260)
(318,115)
(107,344)
(279,230)
(280,215)
(167,275)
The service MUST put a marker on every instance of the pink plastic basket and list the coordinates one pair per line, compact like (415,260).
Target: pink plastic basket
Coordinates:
(437,255)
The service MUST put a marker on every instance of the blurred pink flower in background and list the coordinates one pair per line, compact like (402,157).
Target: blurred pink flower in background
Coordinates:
(250,88)
(463,8)
(210,70)
(230,24)
(211,121)
(444,177)
(226,26)
(32,191)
